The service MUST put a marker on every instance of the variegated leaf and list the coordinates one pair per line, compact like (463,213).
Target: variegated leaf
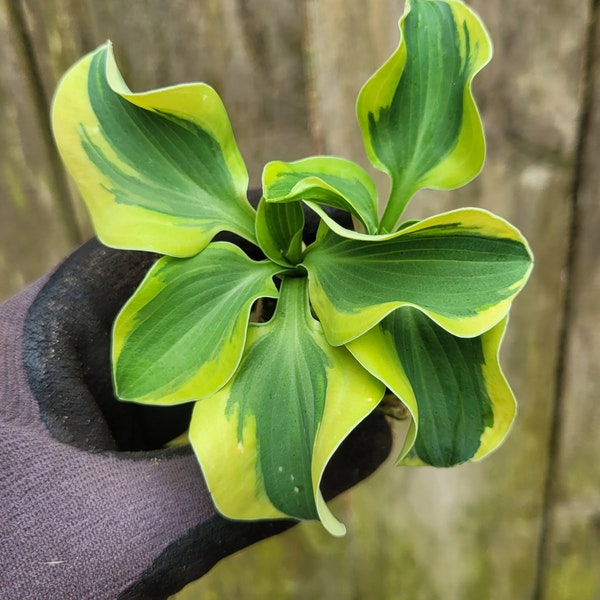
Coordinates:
(462,268)
(181,335)
(460,402)
(158,170)
(263,441)
(418,118)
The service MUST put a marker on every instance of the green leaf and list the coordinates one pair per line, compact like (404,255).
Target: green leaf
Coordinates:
(327,180)
(158,170)
(263,441)
(459,400)
(418,118)
(462,268)
(279,229)
(181,335)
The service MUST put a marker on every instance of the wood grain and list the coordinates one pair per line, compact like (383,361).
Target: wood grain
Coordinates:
(37,227)
(572,549)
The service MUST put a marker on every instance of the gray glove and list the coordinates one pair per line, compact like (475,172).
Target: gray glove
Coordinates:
(92,506)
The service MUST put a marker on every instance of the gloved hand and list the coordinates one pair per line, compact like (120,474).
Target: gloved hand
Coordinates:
(92,506)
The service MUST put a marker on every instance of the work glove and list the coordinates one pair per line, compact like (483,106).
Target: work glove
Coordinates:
(93,505)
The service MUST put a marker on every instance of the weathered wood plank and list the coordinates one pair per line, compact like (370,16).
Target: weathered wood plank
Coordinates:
(572,569)
(472,532)
(36,224)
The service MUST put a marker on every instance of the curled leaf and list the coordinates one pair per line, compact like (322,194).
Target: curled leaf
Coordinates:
(326,180)
(263,441)
(460,402)
(418,118)
(462,268)
(181,335)
(158,170)
(279,229)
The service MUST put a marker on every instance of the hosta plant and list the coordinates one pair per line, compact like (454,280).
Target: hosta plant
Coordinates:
(419,308)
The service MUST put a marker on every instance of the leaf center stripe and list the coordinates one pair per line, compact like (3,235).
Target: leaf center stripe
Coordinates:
(169,158)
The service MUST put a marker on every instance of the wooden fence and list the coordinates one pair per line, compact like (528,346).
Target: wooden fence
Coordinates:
(524,524)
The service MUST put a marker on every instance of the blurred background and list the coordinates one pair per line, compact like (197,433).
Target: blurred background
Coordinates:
(523,524)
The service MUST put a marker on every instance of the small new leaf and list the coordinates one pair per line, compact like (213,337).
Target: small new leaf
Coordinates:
(279,229)
(324,180)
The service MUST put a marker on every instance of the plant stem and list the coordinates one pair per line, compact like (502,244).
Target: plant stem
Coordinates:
(400,195)
(293,300)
